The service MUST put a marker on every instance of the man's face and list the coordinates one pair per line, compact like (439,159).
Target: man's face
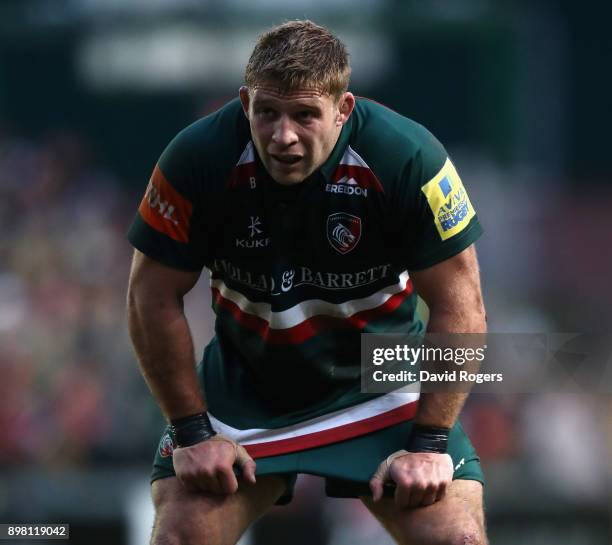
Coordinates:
(295,132)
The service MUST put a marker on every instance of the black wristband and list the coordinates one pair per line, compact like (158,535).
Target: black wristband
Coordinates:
(190,430)
(428,439)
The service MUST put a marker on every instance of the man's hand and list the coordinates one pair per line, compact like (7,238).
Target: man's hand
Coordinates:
(421,478)
(208,466)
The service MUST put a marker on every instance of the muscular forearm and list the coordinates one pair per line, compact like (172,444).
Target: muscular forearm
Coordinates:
(164,347)
(442,409)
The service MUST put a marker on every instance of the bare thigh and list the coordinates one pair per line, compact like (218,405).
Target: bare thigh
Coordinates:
(458,519)
(196,518)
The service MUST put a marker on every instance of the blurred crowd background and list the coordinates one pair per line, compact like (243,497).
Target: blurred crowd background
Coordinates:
(90,93)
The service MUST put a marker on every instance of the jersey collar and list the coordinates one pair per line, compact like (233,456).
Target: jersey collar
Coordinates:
(329,167)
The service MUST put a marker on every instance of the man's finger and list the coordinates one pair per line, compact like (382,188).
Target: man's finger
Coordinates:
(441,492)
(190,484)
(227,481)
(403,494)
(377,482)
(248,471)
(245,463)
(201,483)
(376,486)
(429,497)
(416,499)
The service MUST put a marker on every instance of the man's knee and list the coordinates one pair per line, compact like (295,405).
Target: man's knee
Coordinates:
(462,533)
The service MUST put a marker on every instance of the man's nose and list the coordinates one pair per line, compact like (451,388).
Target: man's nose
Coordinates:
(284,133)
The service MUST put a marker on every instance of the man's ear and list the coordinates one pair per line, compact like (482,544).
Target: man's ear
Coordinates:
(245,99)
(346,105)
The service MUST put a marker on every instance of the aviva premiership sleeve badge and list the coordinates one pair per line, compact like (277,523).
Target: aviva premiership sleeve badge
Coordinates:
(449,201)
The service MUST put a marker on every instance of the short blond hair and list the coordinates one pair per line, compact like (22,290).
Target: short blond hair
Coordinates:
(299,54)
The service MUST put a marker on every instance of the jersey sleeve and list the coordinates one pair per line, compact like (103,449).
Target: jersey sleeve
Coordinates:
(168,226)
(437,219)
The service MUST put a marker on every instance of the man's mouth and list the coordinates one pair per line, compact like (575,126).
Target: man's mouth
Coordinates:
(286,159)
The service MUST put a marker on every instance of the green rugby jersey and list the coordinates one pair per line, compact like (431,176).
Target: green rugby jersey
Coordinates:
(298,273)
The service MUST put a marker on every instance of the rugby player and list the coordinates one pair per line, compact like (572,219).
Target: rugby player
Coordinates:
(319,216)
